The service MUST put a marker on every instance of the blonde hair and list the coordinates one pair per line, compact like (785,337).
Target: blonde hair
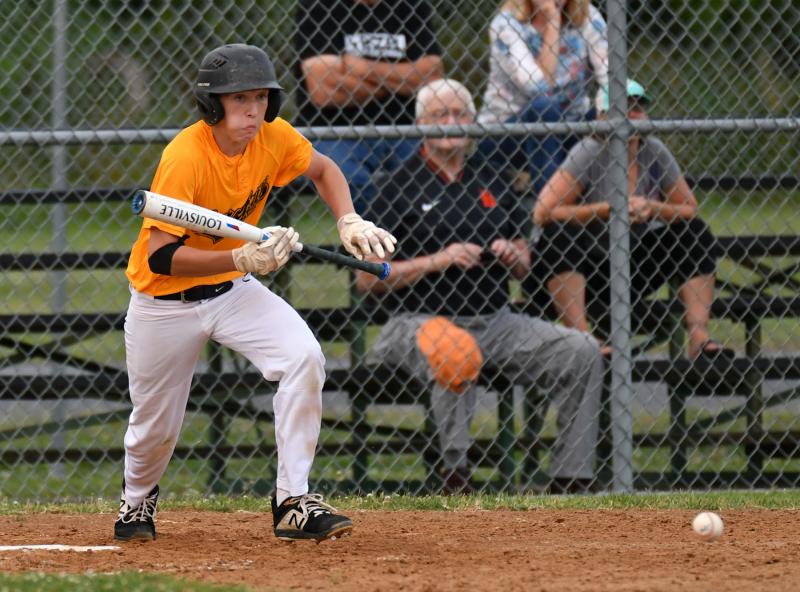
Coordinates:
(441,88)
(577,11)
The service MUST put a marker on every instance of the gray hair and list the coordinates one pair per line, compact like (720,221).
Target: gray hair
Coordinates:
(440,88)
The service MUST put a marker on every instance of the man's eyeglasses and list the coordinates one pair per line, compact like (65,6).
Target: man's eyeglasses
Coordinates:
(455,114)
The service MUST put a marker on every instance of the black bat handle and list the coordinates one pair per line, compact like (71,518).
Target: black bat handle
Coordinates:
(381,270)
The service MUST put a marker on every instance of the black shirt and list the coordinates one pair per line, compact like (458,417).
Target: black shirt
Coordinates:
(426,214)
(391,30)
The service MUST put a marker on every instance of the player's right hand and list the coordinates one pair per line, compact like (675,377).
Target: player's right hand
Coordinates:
(267,256)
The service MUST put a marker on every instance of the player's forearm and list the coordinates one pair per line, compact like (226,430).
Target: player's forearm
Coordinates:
(404,273)
(403,78)
(333,189)
(191,262)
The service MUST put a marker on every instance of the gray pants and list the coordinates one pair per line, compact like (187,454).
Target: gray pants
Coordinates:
(563,363)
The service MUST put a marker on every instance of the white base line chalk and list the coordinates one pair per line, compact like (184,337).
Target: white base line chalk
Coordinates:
(77,548)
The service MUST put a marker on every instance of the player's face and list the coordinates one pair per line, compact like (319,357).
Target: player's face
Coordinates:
(244,114)
(447,109)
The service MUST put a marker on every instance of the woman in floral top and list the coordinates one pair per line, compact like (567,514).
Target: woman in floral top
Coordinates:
(546,55)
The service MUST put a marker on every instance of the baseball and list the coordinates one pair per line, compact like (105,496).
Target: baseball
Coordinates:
(708,526)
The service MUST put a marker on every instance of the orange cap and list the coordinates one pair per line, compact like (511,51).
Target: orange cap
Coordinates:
(453,353)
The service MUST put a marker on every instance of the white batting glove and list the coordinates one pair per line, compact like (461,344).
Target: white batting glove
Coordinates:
(269,255)
(360,238)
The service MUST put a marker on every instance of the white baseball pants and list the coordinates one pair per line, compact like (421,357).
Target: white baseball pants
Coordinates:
(163,342)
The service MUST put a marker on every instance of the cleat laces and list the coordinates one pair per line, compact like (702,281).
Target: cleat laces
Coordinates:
(146,511)
(312,504)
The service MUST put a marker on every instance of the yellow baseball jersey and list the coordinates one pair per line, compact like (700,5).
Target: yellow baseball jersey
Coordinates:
(193,169)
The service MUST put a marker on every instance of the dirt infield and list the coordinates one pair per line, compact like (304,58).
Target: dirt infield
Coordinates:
(426,551)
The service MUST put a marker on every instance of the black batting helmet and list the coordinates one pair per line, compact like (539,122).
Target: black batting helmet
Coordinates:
(234,68)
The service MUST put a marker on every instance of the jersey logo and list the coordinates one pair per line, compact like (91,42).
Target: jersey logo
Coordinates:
(487,199)
(250,204)
(256,195)
(427,207)
(377,46)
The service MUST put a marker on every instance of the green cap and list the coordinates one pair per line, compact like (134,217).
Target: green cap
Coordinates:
(635,90)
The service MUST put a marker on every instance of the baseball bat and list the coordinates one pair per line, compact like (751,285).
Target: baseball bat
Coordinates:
(188,215)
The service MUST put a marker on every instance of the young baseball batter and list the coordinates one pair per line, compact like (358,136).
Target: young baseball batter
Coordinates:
(187,288)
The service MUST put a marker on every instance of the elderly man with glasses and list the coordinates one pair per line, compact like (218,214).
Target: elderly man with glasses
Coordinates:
(462,237)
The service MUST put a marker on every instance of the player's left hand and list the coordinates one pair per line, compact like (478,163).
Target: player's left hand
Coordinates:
(361,238)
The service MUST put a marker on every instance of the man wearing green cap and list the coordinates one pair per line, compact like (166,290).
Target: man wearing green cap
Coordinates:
(668,240)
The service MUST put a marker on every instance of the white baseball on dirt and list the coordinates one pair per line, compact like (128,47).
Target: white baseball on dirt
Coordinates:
(708,526)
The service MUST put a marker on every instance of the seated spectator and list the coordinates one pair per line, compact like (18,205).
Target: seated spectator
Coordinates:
(462,236)
(544,57)
(360,63)
(668,239)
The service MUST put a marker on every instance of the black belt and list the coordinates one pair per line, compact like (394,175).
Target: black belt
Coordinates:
(196,293)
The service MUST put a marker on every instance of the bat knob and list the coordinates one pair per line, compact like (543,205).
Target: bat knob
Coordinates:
(387,269)
(137,203)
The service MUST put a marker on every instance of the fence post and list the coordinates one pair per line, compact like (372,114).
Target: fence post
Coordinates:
(619,234)
(58,214)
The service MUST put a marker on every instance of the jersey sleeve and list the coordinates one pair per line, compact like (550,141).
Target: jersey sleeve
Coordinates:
(296,156)
(175,177)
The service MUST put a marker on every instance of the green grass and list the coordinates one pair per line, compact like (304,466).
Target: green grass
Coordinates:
(378,501)
(127,581)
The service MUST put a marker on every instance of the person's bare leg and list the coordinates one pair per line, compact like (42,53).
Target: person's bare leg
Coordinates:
(697,294)
(568,291)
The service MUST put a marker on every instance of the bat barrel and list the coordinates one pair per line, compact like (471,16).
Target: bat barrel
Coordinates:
(138,201)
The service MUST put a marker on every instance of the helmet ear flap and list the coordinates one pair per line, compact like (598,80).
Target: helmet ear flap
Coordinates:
(273,104)
(210,107)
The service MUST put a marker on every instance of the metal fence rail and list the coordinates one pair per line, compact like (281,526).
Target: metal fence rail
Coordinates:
(94,92)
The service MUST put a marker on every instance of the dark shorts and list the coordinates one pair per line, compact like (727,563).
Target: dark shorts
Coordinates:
(673,252)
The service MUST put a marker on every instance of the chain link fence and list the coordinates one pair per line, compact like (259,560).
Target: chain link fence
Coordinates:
(94,91)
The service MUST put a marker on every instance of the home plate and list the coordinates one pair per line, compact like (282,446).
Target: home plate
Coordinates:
(77,548)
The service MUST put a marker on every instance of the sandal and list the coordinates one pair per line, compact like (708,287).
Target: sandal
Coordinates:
(717,351)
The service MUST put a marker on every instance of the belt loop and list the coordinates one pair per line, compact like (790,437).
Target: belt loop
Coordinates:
(183,296)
